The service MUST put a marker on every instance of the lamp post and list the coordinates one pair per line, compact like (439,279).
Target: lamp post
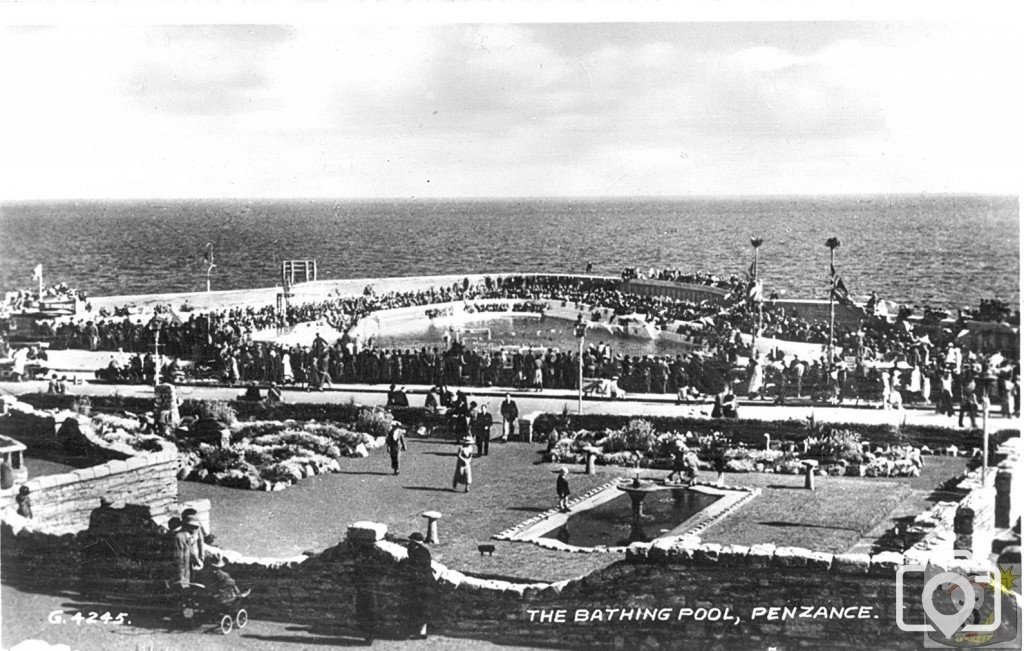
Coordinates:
(209,262)
(580,330)
(832,243)
(209,271)
(155,327)
(756,242)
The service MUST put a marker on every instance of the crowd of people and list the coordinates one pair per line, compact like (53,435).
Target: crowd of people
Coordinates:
(680,276)
(953,378)
(221,343)
(27,299)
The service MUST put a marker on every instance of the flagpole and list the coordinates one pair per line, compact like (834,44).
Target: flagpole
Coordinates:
(210,265)
(40,284)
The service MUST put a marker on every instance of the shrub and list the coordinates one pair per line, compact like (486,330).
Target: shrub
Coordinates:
(742,464)
(564,451)
(637,436)
(220,459)
(256,430)
(767,457)
(837,445)
(219,410)
(116,422)
(789,467)
(306,441)
(279,472)
(257,456)
(147,443)
(376,421)
(82,405)
(344,438)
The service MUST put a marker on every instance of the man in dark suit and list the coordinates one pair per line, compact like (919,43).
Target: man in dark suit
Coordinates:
(420,577)
(509,416)
(482,430)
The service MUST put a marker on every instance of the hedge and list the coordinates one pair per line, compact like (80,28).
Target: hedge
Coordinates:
(246,410)
(748,432)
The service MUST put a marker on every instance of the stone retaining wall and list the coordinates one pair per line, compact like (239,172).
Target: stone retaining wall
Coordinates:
(64,502)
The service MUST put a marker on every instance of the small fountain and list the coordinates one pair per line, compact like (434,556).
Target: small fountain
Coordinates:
(638,491)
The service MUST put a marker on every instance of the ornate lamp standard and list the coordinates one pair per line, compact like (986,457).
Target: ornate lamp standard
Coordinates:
(832,243)
(580,330)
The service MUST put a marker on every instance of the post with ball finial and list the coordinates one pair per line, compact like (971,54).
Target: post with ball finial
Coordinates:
(754,293)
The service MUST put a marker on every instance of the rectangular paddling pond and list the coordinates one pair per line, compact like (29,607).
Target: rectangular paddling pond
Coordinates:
(609,524)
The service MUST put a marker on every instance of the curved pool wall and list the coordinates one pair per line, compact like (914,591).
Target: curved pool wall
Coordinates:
(458,313)
(412,317)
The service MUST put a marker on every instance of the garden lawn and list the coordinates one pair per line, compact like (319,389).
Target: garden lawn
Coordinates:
(837,515)
(509,486)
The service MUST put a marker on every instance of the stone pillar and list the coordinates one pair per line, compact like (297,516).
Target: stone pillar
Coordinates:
(1007,507)
(809,466)
(526,426)
(361,533)
(432,518)
(591,458)
(167,400)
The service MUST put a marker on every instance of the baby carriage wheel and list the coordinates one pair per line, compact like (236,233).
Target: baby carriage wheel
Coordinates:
(241,618)
(227,622)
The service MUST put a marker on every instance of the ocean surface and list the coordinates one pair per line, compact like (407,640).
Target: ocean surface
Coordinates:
(937,250)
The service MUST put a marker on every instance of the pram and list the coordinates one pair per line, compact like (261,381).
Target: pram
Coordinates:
(197,606)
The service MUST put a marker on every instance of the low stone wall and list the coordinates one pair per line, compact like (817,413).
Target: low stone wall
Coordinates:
(709,594)
(65,502)
(365,583)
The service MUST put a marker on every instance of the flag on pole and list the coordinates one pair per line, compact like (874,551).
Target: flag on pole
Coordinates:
(839,291)
(755,292)
(37,273)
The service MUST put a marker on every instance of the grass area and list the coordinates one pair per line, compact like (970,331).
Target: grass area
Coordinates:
(39,467)
(837,515)
(510,486)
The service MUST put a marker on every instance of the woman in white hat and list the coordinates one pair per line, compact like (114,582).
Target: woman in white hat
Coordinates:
(464,465)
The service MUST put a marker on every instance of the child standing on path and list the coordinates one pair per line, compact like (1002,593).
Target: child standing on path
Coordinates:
(562,488)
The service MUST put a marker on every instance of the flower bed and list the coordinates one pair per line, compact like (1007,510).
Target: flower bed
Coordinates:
(271,454)
(836,451)
(264,454)
(750,432)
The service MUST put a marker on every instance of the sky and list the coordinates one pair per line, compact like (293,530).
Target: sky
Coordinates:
(337,108)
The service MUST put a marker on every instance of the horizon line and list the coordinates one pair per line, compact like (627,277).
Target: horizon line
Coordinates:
(647,197)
